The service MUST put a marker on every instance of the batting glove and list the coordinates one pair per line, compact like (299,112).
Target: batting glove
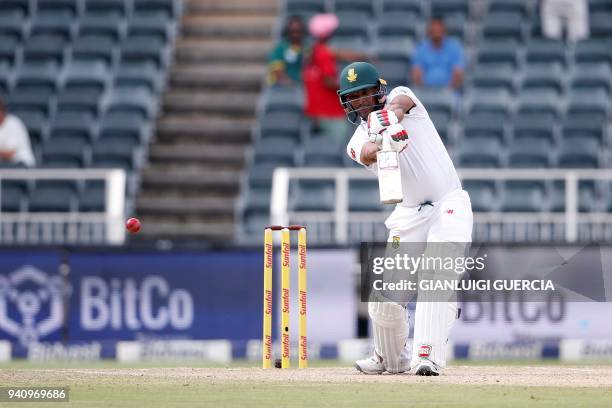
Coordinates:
(377,139)
(380,120)
(397,135)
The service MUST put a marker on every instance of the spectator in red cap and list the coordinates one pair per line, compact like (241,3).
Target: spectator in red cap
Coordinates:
(320,78)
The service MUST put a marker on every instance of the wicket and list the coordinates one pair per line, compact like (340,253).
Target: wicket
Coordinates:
(285,296)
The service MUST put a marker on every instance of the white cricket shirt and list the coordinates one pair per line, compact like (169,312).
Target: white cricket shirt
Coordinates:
(427,170)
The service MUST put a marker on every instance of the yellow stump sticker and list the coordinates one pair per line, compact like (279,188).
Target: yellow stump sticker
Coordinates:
(285,288)
(267,300)
(303,346)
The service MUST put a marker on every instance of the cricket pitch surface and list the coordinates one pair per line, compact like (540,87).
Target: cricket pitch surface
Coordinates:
(458,386)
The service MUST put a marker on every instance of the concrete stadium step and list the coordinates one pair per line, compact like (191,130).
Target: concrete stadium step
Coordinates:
(218,180)
(238,26)
(183,205)
(197,50)
(228,7)
(196,162)
(210,154)
(200,128)
(186,101)
(243,77)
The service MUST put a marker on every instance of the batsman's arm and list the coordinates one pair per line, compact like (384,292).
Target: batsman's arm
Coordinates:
(400,105)
(368,153)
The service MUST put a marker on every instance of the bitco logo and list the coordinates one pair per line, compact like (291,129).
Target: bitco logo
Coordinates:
(125,303)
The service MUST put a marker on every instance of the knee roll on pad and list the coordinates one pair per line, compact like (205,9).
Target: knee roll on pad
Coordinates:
(387,314)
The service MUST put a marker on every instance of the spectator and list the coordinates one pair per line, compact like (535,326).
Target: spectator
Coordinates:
(574,13)
(285,60)
(320,78)
(438,60)
(15,145)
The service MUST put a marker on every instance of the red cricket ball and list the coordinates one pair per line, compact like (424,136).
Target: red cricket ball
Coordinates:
(133,225)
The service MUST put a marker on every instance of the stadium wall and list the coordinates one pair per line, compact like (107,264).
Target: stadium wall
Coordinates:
(59,304)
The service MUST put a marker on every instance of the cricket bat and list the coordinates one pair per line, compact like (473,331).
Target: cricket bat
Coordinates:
(389,174)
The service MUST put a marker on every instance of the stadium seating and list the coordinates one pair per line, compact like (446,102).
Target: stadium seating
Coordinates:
(480,152)
(503,26)
(53,196)
(546,51)
(365,6)
(85,77)
(446,7)
(533,127)
(275,151)
(21,6)
(313,195)
(322,154)
(12,24)
(482,194)
(501,76)
(523,197)
(363,196)
(591,77)
(543,77)
(13,197)
(512,6)
(593,50)
(92,197)
(484,125)
(528,102)
(528,152)
(414,7)
(281,125)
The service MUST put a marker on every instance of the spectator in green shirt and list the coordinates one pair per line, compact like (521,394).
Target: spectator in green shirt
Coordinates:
(285,60)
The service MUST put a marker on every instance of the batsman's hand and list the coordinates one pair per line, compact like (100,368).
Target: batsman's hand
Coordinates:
(381,119)
(397,135)
(377,139)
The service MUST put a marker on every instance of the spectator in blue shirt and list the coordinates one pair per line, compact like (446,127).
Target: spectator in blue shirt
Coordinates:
(438,60)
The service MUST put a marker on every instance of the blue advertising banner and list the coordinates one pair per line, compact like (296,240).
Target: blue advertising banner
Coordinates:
(32,296)
(129,296)
(147,295)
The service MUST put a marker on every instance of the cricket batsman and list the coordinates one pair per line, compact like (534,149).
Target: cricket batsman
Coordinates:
(434,208)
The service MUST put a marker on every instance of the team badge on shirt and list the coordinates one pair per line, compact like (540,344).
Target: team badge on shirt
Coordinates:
(396,241)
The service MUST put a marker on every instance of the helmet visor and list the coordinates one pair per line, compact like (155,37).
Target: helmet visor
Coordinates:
(355,115)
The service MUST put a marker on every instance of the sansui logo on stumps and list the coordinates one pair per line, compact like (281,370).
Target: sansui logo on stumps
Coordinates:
(286,251)
(268,260)
(285,291)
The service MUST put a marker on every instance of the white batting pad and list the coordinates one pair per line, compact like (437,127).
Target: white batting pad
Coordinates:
(436,311)
(390,327)
(432,324)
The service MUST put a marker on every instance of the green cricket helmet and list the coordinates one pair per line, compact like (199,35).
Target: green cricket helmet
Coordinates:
(356,77)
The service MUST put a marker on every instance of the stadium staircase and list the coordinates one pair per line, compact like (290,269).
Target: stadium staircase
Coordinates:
(195,163)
